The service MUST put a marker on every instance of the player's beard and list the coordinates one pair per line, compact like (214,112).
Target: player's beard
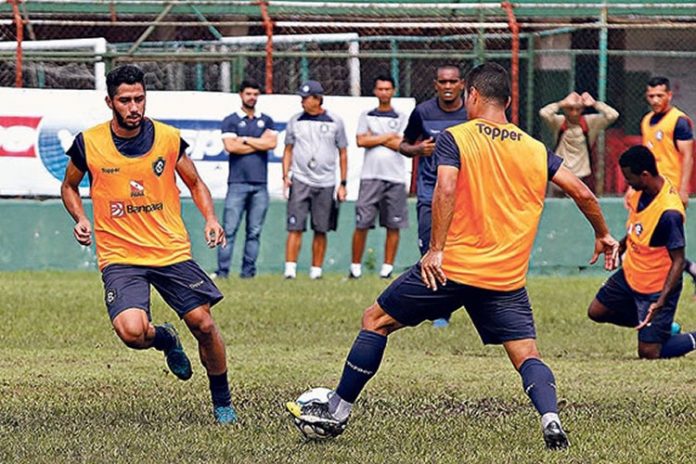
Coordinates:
(126,125)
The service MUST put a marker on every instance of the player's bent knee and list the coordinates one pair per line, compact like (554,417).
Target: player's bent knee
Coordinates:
(131,335)
(131,327)
(649,351)
(596,311)
(376,320)
(200,322)
(206,327)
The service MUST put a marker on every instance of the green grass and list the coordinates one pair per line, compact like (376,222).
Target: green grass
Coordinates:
(70,392)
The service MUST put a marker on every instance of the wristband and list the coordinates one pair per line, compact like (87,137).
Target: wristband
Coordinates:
(344,183)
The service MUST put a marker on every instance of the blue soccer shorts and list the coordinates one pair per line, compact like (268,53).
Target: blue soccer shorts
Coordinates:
(499,316)
(631,307)
(183,286)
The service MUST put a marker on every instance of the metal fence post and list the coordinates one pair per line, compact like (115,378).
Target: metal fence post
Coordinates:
(602,96)
(394,47)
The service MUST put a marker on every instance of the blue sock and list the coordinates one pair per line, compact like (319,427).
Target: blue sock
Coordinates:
(362,363)
(220,390)
(540,385)
(678,345)
(163,339)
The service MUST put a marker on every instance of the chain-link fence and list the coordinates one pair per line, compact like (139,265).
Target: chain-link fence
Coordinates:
(212,45)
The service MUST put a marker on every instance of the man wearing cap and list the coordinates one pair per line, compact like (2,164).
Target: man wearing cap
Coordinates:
(315,138)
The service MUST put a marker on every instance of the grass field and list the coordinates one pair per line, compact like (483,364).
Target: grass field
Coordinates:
(71,393)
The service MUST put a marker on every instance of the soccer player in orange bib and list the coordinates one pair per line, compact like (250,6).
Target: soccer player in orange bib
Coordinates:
(644,293)
(132,162)
(669,134)
(491,181)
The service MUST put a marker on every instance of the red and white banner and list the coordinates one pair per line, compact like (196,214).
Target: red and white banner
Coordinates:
(38,126)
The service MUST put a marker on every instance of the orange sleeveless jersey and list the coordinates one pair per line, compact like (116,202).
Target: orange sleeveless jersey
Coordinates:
(660,140)
(137,212)
(646,267)
(500,196)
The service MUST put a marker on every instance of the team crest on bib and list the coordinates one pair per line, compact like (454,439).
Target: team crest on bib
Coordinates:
(260,123)
(659,135)
(638,228)
(324,128)
(393,123)
(158,166)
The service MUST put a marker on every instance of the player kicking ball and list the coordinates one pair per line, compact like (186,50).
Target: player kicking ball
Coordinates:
(488,200)
(644,293)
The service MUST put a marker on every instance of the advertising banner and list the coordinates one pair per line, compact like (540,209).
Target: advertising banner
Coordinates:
(38,126)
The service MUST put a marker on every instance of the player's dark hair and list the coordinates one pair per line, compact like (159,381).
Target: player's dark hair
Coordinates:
(491,81)
(659,80)
(448,66)
(126,74)
(249,84)
(384,78)
(637,159)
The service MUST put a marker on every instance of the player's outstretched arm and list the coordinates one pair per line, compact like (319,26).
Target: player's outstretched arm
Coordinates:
(589,206)
(214,233)
(70,194)
(671,282)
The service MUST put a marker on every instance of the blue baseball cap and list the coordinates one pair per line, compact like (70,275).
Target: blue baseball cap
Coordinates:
(310,88)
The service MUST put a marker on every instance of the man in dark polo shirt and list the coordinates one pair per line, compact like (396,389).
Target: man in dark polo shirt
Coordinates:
(427,121)
(247,137)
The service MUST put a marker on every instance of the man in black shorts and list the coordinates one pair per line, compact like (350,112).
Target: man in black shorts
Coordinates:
(141,240)
(487,203)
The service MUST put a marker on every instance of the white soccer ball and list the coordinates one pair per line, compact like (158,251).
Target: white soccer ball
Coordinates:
(313,395)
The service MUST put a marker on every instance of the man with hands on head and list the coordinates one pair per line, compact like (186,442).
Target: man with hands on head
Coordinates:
(575,133)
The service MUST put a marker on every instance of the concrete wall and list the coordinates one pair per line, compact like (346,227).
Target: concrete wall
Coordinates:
(38,235)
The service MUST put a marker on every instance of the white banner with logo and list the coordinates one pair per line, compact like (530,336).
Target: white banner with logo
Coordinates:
(38,126)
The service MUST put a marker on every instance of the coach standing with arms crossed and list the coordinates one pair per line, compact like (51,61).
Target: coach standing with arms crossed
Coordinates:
(314,140)
(247,138)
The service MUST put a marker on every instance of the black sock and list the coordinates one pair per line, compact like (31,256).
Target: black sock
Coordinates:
(540,385)
(163,339)
(220,390)
(679,345)
(363,361)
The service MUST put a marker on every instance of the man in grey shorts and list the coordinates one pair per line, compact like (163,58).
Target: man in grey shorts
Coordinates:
(314,140)
(383,181)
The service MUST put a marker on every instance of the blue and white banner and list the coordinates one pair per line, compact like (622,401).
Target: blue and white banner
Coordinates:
(38,126)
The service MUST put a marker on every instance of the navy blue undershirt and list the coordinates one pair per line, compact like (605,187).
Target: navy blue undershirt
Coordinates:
(683,130)
(669,231)
(447,154)
(132,147)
